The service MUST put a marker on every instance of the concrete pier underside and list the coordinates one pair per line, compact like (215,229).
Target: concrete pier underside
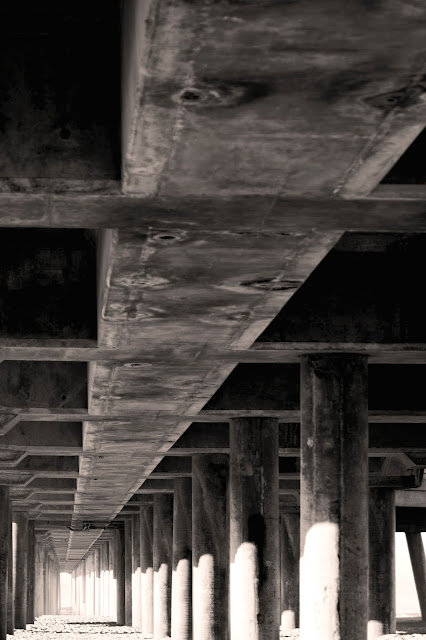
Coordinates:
(212,324)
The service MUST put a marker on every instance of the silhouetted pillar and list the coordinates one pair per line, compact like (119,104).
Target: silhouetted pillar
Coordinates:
(112,580)
(4,553)
(119,572)
(136,572)
(290,557)
(128,571)
(334,497)
(90,591)
(21,559)
(182,560)
(418,563)
(105,565)
(162,552)
(147,570)
(30,572)
(382,526)
(254,529)
(83,587)
(10,577)
(97,561)
(210,546)
(39,581)
(46,576)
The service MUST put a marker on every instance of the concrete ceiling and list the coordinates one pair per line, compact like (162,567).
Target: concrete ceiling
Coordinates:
(254,137)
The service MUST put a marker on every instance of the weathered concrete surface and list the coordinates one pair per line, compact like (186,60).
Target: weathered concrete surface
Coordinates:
(211,234)
(266,68)
(290,561)
(5,559)
(163,558)
(147,567)
(181,616)
(381,571)
(210,556)
(334,497)
(20,559)
(254,529)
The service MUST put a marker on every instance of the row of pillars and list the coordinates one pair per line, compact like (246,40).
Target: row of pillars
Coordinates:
(213,561)
(29,571)
(97,582)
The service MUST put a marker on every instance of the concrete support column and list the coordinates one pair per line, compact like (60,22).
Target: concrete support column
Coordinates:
(46,576)
(30,572)
(21,559)
(39,581)
(290,558)
(162,554)
(210,547)
(73,594)
(93,580)
(4,554)
(10,577)
(136,572)
(112,581)
(382,526)
(254,529)
(147,570)
(105,564)
(128,572)
(119,575)
(90,592)
(182,560)
(83,588)
(418,563)
(102,580)
(334,497)
(97,582)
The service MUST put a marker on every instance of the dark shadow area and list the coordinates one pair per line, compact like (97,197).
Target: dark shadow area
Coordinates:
(365,290)
(258,386)
(410,168)
(47,284)
(60,89)
(43,384)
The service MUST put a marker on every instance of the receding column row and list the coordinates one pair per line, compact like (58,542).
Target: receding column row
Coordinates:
(216,559)
(97,582)
(29,571)
(244,581)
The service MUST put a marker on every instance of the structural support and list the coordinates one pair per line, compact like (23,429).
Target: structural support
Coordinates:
(97,577)
(119,572)
(182,560)
(254,529)
(418,563)
(210,550)
(162,554)
(4,554)
(128,572)
(21,559)
(39,581)
(31,573)
(11,576)
(290,558)
(334,497)
(136,572)
(147,570)
(381,605)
